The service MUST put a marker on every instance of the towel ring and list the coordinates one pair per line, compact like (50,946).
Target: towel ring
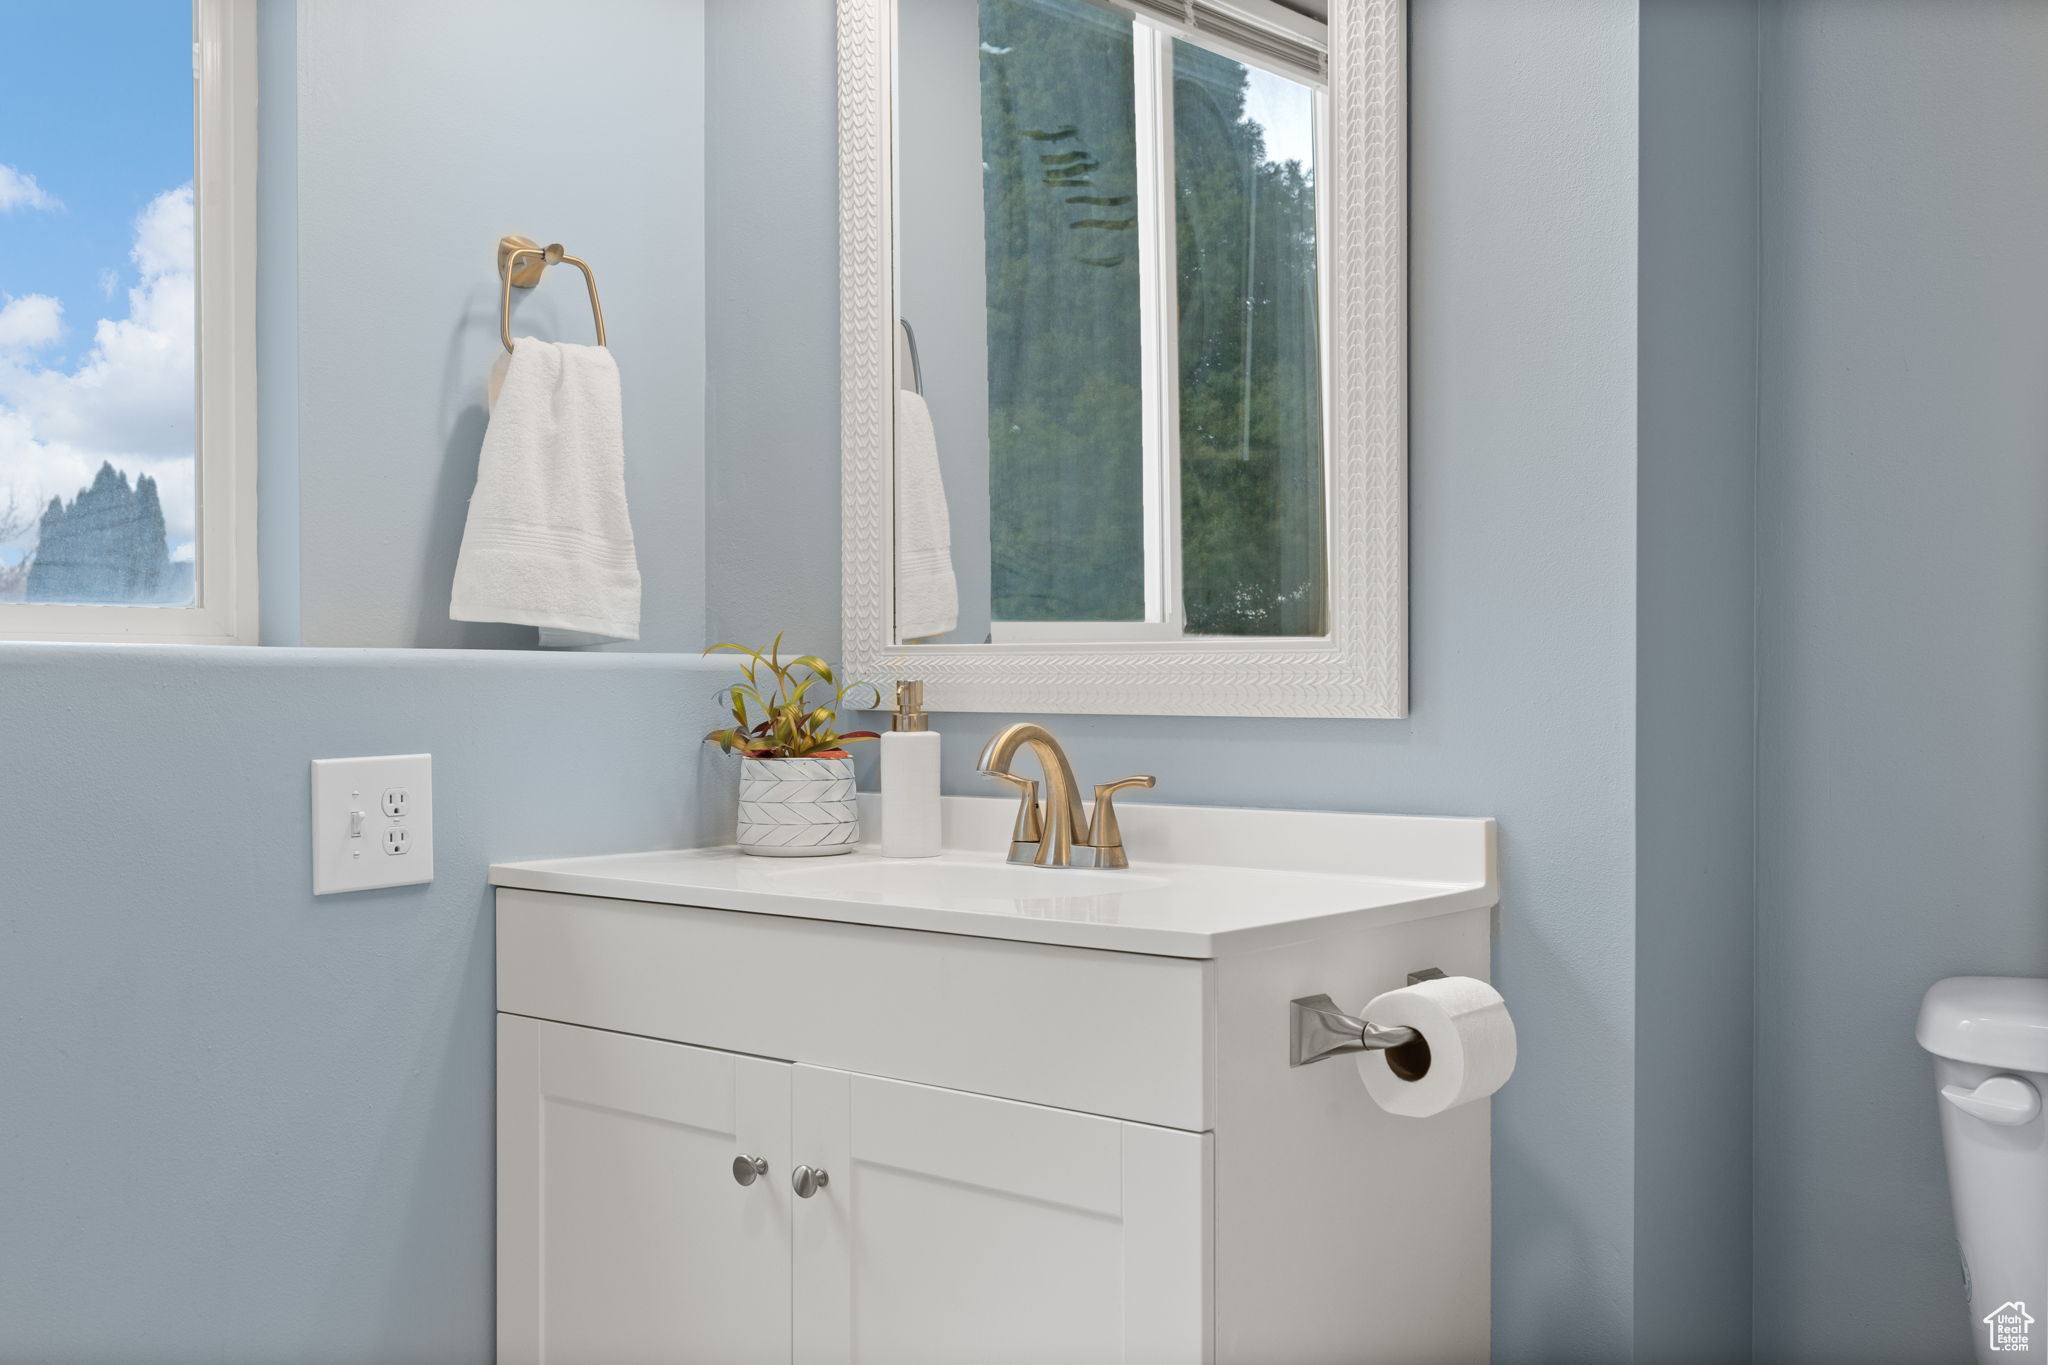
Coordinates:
(512,251)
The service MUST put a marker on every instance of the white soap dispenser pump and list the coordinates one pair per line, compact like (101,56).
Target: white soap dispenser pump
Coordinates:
(910,778)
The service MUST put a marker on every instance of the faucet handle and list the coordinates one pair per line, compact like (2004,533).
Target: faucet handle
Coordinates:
(1028,830)
(1104,835)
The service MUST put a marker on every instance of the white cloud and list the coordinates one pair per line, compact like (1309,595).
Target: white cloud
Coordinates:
(163,235)
(19,190)
(129,400)
(30,321)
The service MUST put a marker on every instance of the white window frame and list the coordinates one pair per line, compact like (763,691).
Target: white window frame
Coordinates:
(224,229)
(1159,338)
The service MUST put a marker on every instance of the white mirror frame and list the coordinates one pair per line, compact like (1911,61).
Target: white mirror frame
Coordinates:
(1360,668)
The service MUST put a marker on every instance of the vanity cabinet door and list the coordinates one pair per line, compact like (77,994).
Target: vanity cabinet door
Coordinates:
(624,1235)
(955,1227)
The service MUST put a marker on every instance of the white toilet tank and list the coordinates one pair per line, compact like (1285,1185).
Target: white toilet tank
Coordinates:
(1989,1037)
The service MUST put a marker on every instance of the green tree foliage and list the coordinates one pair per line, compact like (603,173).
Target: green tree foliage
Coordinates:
(1065,380)
(1060,207)
(106,546)
(1251,435)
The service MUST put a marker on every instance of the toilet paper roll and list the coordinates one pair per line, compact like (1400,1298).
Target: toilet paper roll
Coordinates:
(1471,1046)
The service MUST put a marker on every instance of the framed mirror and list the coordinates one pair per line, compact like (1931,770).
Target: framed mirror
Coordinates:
(1123,354)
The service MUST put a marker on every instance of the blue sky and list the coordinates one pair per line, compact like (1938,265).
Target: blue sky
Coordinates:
(96,109)
(95,103)
(1286,110)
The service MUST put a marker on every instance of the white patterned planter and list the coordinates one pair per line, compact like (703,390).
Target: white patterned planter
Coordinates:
(797,807)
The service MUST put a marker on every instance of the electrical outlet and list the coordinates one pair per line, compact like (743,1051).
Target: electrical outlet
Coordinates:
(373,822)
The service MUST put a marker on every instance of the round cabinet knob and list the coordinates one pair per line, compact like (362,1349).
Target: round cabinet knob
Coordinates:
(806,1181)
(747,1169)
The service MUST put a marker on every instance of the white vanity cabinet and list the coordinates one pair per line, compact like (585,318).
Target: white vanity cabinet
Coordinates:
(951,1227)
(1029,1139)
(622,1234)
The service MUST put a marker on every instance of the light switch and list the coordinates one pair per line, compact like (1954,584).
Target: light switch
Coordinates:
(373,822)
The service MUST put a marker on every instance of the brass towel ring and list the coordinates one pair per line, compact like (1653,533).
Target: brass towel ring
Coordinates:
(515,269)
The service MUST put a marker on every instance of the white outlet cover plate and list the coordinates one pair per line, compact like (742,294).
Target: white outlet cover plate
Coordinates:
(345,861)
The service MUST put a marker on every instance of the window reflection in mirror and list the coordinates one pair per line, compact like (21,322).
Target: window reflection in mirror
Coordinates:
(1108,263)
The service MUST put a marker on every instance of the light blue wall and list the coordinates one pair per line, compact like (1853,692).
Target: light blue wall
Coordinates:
(242,1124)
(1695,680)
(771,535)
(1903,577)
(1523,169)
(426,131)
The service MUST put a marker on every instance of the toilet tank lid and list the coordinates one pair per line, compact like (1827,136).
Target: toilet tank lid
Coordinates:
(1999,1021)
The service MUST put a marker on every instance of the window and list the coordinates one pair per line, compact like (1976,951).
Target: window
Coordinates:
(127,400)
(1156,460)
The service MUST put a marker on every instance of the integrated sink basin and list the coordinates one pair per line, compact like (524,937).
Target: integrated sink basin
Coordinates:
(956,880)
(1203,882)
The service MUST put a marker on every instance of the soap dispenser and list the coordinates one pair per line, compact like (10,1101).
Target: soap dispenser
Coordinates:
(910,778)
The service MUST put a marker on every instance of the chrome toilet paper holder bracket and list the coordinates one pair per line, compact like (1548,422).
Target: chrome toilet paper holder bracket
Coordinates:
(1318,1029)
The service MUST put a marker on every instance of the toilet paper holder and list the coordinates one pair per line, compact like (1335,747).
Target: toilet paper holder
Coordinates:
(1318,1029)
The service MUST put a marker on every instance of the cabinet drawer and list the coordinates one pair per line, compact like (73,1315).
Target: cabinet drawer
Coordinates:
(1120,1034)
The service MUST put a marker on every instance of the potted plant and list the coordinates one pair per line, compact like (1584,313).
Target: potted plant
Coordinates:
(796,780)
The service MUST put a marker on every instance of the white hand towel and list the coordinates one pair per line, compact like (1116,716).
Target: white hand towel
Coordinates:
(548,542)
(927,597)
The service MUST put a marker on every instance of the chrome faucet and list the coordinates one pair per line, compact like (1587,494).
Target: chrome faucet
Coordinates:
(1063,836)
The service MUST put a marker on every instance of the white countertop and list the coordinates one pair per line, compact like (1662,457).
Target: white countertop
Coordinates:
(1203,882)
